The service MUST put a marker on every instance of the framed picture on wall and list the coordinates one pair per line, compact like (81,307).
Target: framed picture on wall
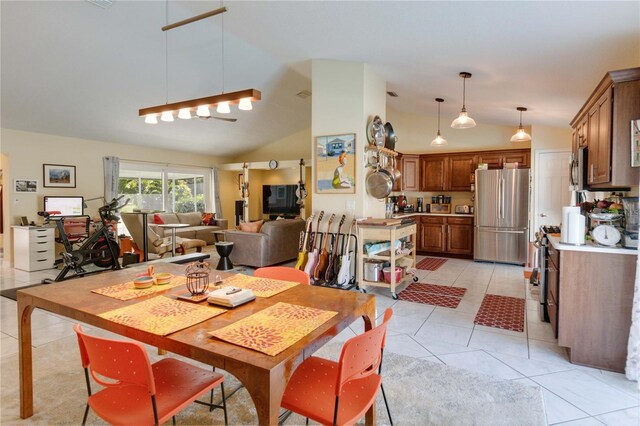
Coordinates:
(25,185)
(58,176)
(335,164)
(635,143)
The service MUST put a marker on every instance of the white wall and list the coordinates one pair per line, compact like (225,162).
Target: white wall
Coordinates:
(25,153)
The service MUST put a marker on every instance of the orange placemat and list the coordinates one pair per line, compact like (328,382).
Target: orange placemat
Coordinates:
(262,287)
(127,291)
(161,315)
(274,329)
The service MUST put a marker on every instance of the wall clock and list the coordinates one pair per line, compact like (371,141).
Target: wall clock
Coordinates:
(273,164)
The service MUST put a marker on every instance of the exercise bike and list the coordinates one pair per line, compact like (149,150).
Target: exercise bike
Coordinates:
(100,249)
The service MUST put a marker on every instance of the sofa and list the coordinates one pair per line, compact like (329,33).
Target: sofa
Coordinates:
(159,239)
(276,242)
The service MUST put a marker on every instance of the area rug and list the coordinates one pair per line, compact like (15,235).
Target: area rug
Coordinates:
(502,312)
(10,293)
(419,392)
(431,263)
(431,294)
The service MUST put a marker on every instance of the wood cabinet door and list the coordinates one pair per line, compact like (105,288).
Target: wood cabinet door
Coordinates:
(493,159)
(398,183)
(520,156)
(602,172)
(433,173)
(411,172)
(433,237)
(460,169)
(460,239)
(582,132)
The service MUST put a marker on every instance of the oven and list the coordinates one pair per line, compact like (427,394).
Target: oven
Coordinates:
(540,276)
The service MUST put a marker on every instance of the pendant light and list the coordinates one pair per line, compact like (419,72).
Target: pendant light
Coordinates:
(439,140)
(464,121)
(521,135)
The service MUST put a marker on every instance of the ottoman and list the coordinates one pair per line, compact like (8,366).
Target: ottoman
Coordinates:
(188,243)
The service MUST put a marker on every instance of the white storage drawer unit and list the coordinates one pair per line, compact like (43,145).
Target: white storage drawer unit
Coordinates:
(33,248)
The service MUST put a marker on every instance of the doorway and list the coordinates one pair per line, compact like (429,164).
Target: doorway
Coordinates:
(551,186)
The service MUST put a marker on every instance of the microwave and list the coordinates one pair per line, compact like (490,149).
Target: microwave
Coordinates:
(578,172)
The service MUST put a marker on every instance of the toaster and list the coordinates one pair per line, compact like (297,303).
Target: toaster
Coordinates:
(462,209)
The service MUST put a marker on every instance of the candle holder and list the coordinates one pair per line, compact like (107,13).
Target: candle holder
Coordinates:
(197,274)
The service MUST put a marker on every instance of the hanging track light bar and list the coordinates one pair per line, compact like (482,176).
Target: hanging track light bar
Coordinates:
(232,98)
(195,18)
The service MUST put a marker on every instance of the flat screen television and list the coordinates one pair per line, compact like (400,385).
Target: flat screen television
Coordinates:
(67,206)
(280,199)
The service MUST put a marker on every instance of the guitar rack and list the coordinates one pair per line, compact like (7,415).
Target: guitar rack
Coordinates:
(353,280)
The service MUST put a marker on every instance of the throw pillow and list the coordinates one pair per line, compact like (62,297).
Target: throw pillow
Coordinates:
(208,219)
(157,219)
(251,226)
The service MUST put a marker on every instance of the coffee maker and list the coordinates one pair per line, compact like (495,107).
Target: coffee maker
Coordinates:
(394,200)
(419,204)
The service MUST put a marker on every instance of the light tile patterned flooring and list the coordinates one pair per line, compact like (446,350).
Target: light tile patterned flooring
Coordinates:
(573,395)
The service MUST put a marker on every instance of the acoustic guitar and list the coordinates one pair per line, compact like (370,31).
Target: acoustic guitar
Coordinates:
(302,252)
(331,266)
(344,273)
(301,191)
(323,259)
(312,256)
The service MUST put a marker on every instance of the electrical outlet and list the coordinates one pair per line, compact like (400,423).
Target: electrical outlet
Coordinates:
(16,200)
(350,205)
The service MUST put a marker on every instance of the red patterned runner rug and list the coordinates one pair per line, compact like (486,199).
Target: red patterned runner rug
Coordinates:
(431,263)
(502,312)
(431,294)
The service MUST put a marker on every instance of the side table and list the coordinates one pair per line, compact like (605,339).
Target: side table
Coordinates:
(173,227)
(224,250)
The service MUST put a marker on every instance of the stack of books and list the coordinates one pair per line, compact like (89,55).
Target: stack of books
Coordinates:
(230,297)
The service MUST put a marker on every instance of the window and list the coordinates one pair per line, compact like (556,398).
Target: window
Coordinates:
(168,188)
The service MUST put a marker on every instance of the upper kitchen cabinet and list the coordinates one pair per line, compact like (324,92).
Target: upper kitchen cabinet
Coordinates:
(460,169)
(603,125)
(411,172)
(497,159)
(433,169)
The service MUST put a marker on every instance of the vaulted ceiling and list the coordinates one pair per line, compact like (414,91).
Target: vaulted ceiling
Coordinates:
(74,69)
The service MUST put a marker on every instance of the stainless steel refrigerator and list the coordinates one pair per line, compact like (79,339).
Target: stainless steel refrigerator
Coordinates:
(502,215)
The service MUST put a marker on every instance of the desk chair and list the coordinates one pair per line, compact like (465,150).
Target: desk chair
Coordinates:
(283,273)
(340,392)
(137,392)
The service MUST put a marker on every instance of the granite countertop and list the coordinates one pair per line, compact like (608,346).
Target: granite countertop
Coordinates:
(590,246)
(400,215)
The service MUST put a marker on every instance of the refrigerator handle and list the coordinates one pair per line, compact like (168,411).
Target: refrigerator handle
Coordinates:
(500,198)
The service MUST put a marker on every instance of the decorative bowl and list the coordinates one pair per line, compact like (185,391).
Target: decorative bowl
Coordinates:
(162,278)
(144,281)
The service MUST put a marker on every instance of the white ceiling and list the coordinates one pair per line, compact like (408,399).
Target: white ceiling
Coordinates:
(71,68)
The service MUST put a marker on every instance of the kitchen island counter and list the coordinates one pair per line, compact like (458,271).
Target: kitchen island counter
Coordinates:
(590,246)
(401,215)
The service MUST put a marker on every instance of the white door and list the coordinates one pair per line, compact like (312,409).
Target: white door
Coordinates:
(551,187)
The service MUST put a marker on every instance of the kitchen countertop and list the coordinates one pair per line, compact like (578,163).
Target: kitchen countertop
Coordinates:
(400,215)
(590,247)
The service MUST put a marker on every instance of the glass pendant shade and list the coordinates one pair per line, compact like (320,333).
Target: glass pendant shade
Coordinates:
(184,114)
(203,111)
(150,119)
(245,104)
(223,108)
(167,116)
(463,121)
(439,140)
(521,136)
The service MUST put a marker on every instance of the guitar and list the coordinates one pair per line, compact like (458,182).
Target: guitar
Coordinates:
(301,191)
(344,273)
(323,259)
(331,266)
(302,252)
(312,256)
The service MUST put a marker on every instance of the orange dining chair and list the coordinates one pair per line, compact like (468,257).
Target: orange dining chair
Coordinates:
(283,273)
(340,392)
(135,391)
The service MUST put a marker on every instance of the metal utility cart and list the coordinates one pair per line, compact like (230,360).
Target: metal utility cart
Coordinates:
(369,231)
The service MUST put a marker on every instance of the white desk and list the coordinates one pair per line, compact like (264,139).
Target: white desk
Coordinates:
(173,227)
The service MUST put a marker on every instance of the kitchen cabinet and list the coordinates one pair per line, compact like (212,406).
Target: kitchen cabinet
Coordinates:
(461,167)
(497,159)
(603,125)
(398,183)
(433,171)
(411,172)
(446,235)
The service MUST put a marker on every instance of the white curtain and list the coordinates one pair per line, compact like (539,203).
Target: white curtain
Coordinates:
(111,174)
(633,349)
(216,193)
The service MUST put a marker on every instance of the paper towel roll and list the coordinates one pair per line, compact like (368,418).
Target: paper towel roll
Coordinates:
(576,228)
(564,230)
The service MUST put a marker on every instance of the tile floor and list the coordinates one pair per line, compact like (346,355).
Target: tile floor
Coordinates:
(573,395)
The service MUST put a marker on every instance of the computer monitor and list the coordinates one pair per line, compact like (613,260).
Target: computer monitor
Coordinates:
(67,206)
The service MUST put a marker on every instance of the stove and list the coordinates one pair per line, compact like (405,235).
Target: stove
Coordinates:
(540,272)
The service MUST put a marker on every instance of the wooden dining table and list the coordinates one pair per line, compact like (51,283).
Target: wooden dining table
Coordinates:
(265,377)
